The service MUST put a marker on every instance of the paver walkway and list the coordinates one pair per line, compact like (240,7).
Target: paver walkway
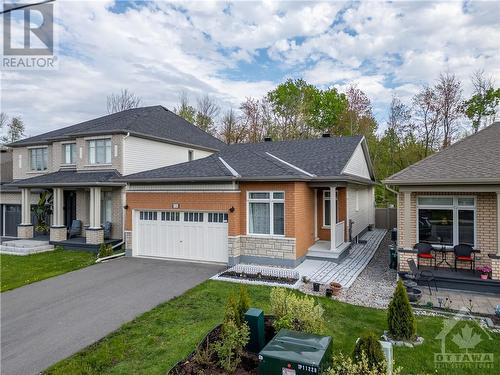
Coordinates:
(349,268)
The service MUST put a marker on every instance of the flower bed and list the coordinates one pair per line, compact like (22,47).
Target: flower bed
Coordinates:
(265,274)
(249,362)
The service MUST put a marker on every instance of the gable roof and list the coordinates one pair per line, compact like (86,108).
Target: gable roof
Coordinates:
(474,159)
(308,159)
(155,122)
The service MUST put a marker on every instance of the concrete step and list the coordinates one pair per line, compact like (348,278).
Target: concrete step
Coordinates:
(330,255)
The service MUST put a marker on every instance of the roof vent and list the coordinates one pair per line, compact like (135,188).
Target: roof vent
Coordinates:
(326,135)
(268,139)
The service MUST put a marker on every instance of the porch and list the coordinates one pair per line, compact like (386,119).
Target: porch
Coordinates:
(332,242)
(87,207)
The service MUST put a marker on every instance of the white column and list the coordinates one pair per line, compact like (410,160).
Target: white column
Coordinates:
(333,217)
(58,215)
(25,206)
(498,223)
(315,214)
(95,207)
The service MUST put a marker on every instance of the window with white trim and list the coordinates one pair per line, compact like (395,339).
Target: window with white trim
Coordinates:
(327,207)
(69,153)
(196,217)
(99,151)
(39,159)
(170,216)
(217,217)
(446,220)
(266,213)
(148,215)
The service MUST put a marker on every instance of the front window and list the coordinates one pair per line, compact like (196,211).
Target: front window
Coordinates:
(266,213)
(69,153)
(106,206)
(100,151)
(446,220)
(39,159)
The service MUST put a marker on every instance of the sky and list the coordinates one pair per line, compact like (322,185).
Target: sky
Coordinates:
(235,50)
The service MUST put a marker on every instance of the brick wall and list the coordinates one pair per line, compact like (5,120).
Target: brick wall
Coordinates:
(486,223)
(304,218)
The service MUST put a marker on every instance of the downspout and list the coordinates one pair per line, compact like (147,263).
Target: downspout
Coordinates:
(124,189)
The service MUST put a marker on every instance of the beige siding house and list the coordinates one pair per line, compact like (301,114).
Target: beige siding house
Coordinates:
(452,198)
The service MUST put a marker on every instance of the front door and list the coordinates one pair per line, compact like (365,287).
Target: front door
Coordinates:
(69,207)
(12,219)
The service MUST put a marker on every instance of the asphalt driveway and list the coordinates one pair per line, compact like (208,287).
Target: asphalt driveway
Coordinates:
(47,321)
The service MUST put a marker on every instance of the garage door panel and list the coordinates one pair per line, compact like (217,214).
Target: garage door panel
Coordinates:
(182,236)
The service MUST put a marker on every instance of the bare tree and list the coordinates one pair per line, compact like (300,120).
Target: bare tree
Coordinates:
(122,101)
(207,111)
(449,98)
(426,116)
(232,130)
(481,108)
(359,108)
(400,130)
(252,119)
(185,110)
(3,119)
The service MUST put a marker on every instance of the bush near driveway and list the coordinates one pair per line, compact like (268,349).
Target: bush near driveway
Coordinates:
(155,341)
(16,270)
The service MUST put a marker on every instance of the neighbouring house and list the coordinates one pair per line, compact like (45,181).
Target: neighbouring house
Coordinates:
(451,198)
(263,203)
(80,163)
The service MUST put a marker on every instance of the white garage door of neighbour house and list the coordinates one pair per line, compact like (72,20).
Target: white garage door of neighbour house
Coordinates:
(198,236)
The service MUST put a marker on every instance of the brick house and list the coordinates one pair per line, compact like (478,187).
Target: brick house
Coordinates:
(265,203)
(451,198)
(78,164)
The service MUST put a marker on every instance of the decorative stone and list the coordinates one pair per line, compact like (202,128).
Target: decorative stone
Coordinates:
(58,234)
(25,231)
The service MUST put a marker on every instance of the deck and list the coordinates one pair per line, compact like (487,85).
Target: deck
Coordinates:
(75,243)
(447,278)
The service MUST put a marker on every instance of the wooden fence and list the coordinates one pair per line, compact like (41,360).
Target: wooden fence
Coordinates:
(386,218)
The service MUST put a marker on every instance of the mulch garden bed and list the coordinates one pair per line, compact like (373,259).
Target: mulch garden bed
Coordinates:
(259,277)
(249,362)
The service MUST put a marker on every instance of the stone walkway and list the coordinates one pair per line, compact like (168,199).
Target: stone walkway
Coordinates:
(349,268)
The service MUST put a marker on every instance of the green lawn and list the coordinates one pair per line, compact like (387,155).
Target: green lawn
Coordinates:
(16,271)
(155,341)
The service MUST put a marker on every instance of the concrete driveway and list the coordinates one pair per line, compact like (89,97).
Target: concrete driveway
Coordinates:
(47,321)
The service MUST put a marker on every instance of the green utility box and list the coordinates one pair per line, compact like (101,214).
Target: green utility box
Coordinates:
(255,321)
(295,353)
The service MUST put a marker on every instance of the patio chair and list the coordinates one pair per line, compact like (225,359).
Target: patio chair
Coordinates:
(107,230)
(424,275)
(424,252)
(75,229)
(464,253)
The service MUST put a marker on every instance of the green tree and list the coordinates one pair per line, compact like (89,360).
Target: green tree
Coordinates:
(484,102)
(185,110)
(15,129)
(400,318)
(369,345)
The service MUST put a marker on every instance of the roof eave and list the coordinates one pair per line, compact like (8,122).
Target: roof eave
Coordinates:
(480,181)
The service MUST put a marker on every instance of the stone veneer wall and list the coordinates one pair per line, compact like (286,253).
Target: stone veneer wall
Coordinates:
(94,236)
(25,231)
(128,240)
(58,233)
(262,250)
(495,266)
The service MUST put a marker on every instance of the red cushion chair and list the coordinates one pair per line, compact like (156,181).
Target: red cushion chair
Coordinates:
(424,251)
(464,253)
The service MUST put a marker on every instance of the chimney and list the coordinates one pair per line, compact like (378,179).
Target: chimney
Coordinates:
(268,139)
(326,135)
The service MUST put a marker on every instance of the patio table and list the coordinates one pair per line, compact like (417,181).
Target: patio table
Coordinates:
(443,250)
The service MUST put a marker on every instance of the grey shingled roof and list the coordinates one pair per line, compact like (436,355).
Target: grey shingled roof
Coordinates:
(475,159)
(154,122)
(325,158)
(70,178)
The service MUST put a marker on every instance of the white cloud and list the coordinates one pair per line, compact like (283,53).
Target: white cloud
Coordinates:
(161,49)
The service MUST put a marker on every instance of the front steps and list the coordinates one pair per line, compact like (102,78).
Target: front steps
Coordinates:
(319,251)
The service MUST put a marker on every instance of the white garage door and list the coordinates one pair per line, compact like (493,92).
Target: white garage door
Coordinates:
(200,236)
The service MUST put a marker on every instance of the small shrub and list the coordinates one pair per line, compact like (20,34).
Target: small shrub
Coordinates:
(230,347)
(204,356)
(243,302)
(400,318)
(343,365)
(369,345)
(105,250)
(295,312)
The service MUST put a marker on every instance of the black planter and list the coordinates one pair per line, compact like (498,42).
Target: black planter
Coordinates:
(316,287)
(414,294)
(329,293)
